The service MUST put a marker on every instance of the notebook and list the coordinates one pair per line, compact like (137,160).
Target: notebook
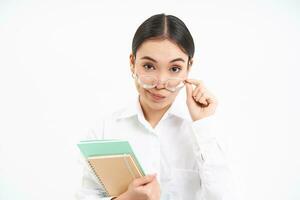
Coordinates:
(113,162)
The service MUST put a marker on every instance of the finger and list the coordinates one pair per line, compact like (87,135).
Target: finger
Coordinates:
(189,90)
(154,181)
(195,82)
(143,180)
(212,99)
(203,99)
(196,91)
(209,98)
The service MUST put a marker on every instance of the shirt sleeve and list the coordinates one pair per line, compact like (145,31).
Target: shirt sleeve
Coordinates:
(91,188)
(215,174)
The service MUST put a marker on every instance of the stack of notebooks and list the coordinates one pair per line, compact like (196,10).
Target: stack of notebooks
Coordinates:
(113,162)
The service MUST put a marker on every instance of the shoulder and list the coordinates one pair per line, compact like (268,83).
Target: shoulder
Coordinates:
(104,123)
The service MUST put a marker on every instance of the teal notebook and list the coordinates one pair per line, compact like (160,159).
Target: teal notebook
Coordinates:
(91,148)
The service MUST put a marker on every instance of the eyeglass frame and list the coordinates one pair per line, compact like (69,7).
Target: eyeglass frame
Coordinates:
(137,77)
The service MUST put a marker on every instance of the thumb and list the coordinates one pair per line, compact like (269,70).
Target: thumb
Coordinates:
(143,180)
(189,90)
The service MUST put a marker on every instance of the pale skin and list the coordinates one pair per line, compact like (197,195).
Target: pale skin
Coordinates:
(201,103)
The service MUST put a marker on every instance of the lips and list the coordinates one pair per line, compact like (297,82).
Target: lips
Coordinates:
(155,96)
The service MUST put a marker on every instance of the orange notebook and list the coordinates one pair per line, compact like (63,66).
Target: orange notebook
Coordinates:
(115,172)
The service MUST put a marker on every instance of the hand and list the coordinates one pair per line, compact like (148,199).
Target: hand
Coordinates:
(201,103)
(144,188)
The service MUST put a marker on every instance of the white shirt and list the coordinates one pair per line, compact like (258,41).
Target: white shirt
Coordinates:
(187,158)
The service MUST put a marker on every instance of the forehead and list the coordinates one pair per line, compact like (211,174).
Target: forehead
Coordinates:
(161,50)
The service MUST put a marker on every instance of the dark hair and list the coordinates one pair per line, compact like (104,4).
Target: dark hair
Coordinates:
(163,26)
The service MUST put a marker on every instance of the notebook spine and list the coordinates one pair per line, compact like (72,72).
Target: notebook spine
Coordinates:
(128,166)
(99,180)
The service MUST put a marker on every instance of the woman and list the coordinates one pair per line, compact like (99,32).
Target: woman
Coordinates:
(182,159)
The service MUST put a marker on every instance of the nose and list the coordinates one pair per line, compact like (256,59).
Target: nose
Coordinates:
(160,83)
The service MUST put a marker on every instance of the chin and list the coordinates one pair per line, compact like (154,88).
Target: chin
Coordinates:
(158,106)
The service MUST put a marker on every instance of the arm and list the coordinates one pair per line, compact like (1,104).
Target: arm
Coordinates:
(216,179)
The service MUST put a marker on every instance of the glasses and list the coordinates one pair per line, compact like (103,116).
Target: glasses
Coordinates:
(148,82)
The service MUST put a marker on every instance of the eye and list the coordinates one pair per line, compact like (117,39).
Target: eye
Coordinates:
(148,66)
(175,69)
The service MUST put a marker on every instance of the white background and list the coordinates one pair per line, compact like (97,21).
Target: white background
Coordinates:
(63,64)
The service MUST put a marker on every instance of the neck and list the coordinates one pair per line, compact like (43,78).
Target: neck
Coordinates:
(151,115)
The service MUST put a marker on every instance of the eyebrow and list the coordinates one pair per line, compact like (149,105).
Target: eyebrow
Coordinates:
(174,60)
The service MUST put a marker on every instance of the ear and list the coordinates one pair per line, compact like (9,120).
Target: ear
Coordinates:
(131,62)
(190,64)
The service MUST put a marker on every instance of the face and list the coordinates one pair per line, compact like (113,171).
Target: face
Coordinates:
(162,59)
